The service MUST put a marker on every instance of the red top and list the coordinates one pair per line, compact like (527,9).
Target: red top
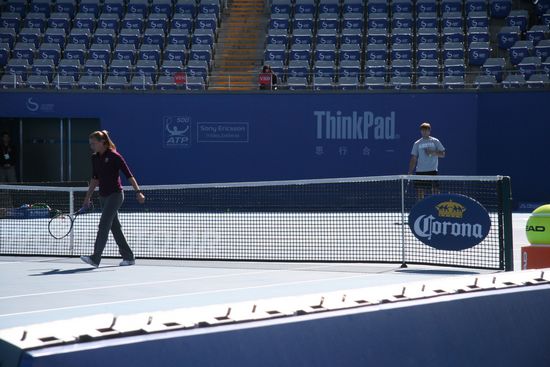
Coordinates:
(105,168)
(265,79)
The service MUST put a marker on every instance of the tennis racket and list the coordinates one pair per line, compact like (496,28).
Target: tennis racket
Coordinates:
(62,223)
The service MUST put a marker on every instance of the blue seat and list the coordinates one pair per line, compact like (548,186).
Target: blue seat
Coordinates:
(56,36)
(427,51)
(181,22)
(162,7)
(518,18)
(401,51)
(477,19)
(507,36)
(278,68)
(546,18)
(427,35)
(30,35)
(351,37)
(90,82)
(485,81)
(328,21)
(454,68)
(209,7)
(7,35)
(451,6)
(125,52)
(348,83)
(426,6)
(476,6)
(377,7)
(84,21)
(428,82)
(453,82)
(179,37)
(478,34)
(401,68)
(109,22)
(89,7)
(350,53)
(402,36)
(140,7)
(121,68)
(325,69)
(401,6)
(302,37)
(538,33)
(154,37)
(147,68)
(514,81)
(376,68)
(403,20)
(114,8)
(188,7)
(375,82)
(24,51)
(43,67)
(428,67)
(542,50)
(529,66)
(69,68)
(322,83)
(478,53)
(520,50)
(16,6)
(35,20)
(150,53)
(377,36)
(11,81)
(129,37)
(297,83)
(277,37)
(327,37)
(325,53)
(279,21)
(545,66)
(329,7)
(298,69)
(175,53)
(305,7)
(10,20)
(281,7)
(376,52)
(60,20)
(538,81)
(80,36)
(353,7)
(75,52)
(160,22)
(167,83)
(201,53)
(300,52)
(195,83)
(4,54)
(114,82)
(349,69)
(104,36)
(495,67)
(353,21)
(275,53)
(18,67)
(41,6)
(452,20)
(378,21)
(203,37)
(452,34)
(50,51)
(401,82)
(453,51)
(542,8)
(206,21)
(94,68)
(427,20)
(169,68)
(142,82)
(133,21)
(197,69)
(500,8)
(303,21)
(100,52)
(38,82)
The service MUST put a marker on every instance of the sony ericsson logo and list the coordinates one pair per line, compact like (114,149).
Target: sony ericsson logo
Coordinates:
(357,125)
(177,131)
(450,222)
(32,105)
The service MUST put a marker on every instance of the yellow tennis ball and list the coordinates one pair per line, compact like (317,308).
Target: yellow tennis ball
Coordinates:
(538,226)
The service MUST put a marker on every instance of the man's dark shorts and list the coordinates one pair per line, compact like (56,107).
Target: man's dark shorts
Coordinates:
(426,185)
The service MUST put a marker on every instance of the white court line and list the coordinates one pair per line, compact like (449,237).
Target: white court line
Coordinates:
(158,282)
(179,295)
(27,261)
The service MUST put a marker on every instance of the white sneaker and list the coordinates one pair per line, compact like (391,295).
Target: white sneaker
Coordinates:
(88,260)
(127,262)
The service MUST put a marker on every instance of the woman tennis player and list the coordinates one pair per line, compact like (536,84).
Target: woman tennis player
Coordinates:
(106,165)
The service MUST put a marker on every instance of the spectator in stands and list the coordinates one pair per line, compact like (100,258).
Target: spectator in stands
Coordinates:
(7,159)
(268,79)
(425,156)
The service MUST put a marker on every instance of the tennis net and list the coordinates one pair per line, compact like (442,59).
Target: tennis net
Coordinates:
(330,220)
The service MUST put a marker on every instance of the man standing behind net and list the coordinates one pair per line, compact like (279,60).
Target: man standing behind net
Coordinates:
(425,156)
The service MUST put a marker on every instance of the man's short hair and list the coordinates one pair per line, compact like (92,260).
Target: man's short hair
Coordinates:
(425,125)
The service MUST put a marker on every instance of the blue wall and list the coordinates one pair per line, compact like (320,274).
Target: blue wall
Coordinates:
(169,138)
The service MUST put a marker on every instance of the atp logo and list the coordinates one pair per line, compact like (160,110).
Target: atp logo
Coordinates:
(177,131)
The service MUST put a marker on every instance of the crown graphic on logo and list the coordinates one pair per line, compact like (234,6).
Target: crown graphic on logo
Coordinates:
(450,209)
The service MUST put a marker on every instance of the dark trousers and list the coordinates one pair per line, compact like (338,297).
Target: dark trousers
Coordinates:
(109,222)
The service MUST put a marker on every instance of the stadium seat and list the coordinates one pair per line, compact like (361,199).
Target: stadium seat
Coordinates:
(300,52)
(203,37)
(129,37)
(428,82)
(478,34)
(179,37)
(162,7)
(495,67)
(210,7)
(325,53)
(538,33)
(195,83)
(303,21)
(402,36)
(150,53)
(546,18)
(90,82)
(378,21)
(43,67)
(24,51)
(121,68)
(175,53)
(329,7)
(328,21)
(453,51)
(302,37)
(353,21)
(279,21)
(514,81)
(201,53)
(167,83)
(518,18)
(325,69)
(281,6)
(141,82)
(197,69)
(478,19)
(350,69)
(375,82)
(114,8)
(80,37)
(169,68)
(147,68)
(453,34)
(402,21)
(104,36)
(108,22)
(529,66)
(348,83)
(160,21)
(207,21)
(275,53)
(520,50)
(15,6)
(402,68)
(56,36)
(29,35)
(350,53)
(507,36)
(35,21)
(140,7)
(353,7)
(538,81)
(376,52)
(188,7)
(50,51)
(305,7)
(452,20)
(453,82)
(377,7)
(377,37)
(427,19)
(322,83)
(478,53)
(100,52)
(38,82)
(296,83)
(41,6)
(19,67)
(298,69)
(154,37)
(91,7)
(60,21)
(84,21)
(428,67)
(69,68)
(401,82)
(451,6)
(352,37)
(427,51)
(500,8)
(427,35)
(401,6)
(94,68)
(65,6)
(114,82)
(453,67)
(278,68)
(327,37)
(11,21)
(485,81)
(475,6)
(125,52)
(277,37)
(133,21)
(545,66)
(7,35)
(181,22)
(4,54)
(376,68)
(11,81)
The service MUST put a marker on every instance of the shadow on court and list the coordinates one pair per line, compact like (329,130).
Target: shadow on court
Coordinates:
(71,271)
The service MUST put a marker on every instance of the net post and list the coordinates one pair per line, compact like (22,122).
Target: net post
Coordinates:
(71,210)
(403,263)
(506,214)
